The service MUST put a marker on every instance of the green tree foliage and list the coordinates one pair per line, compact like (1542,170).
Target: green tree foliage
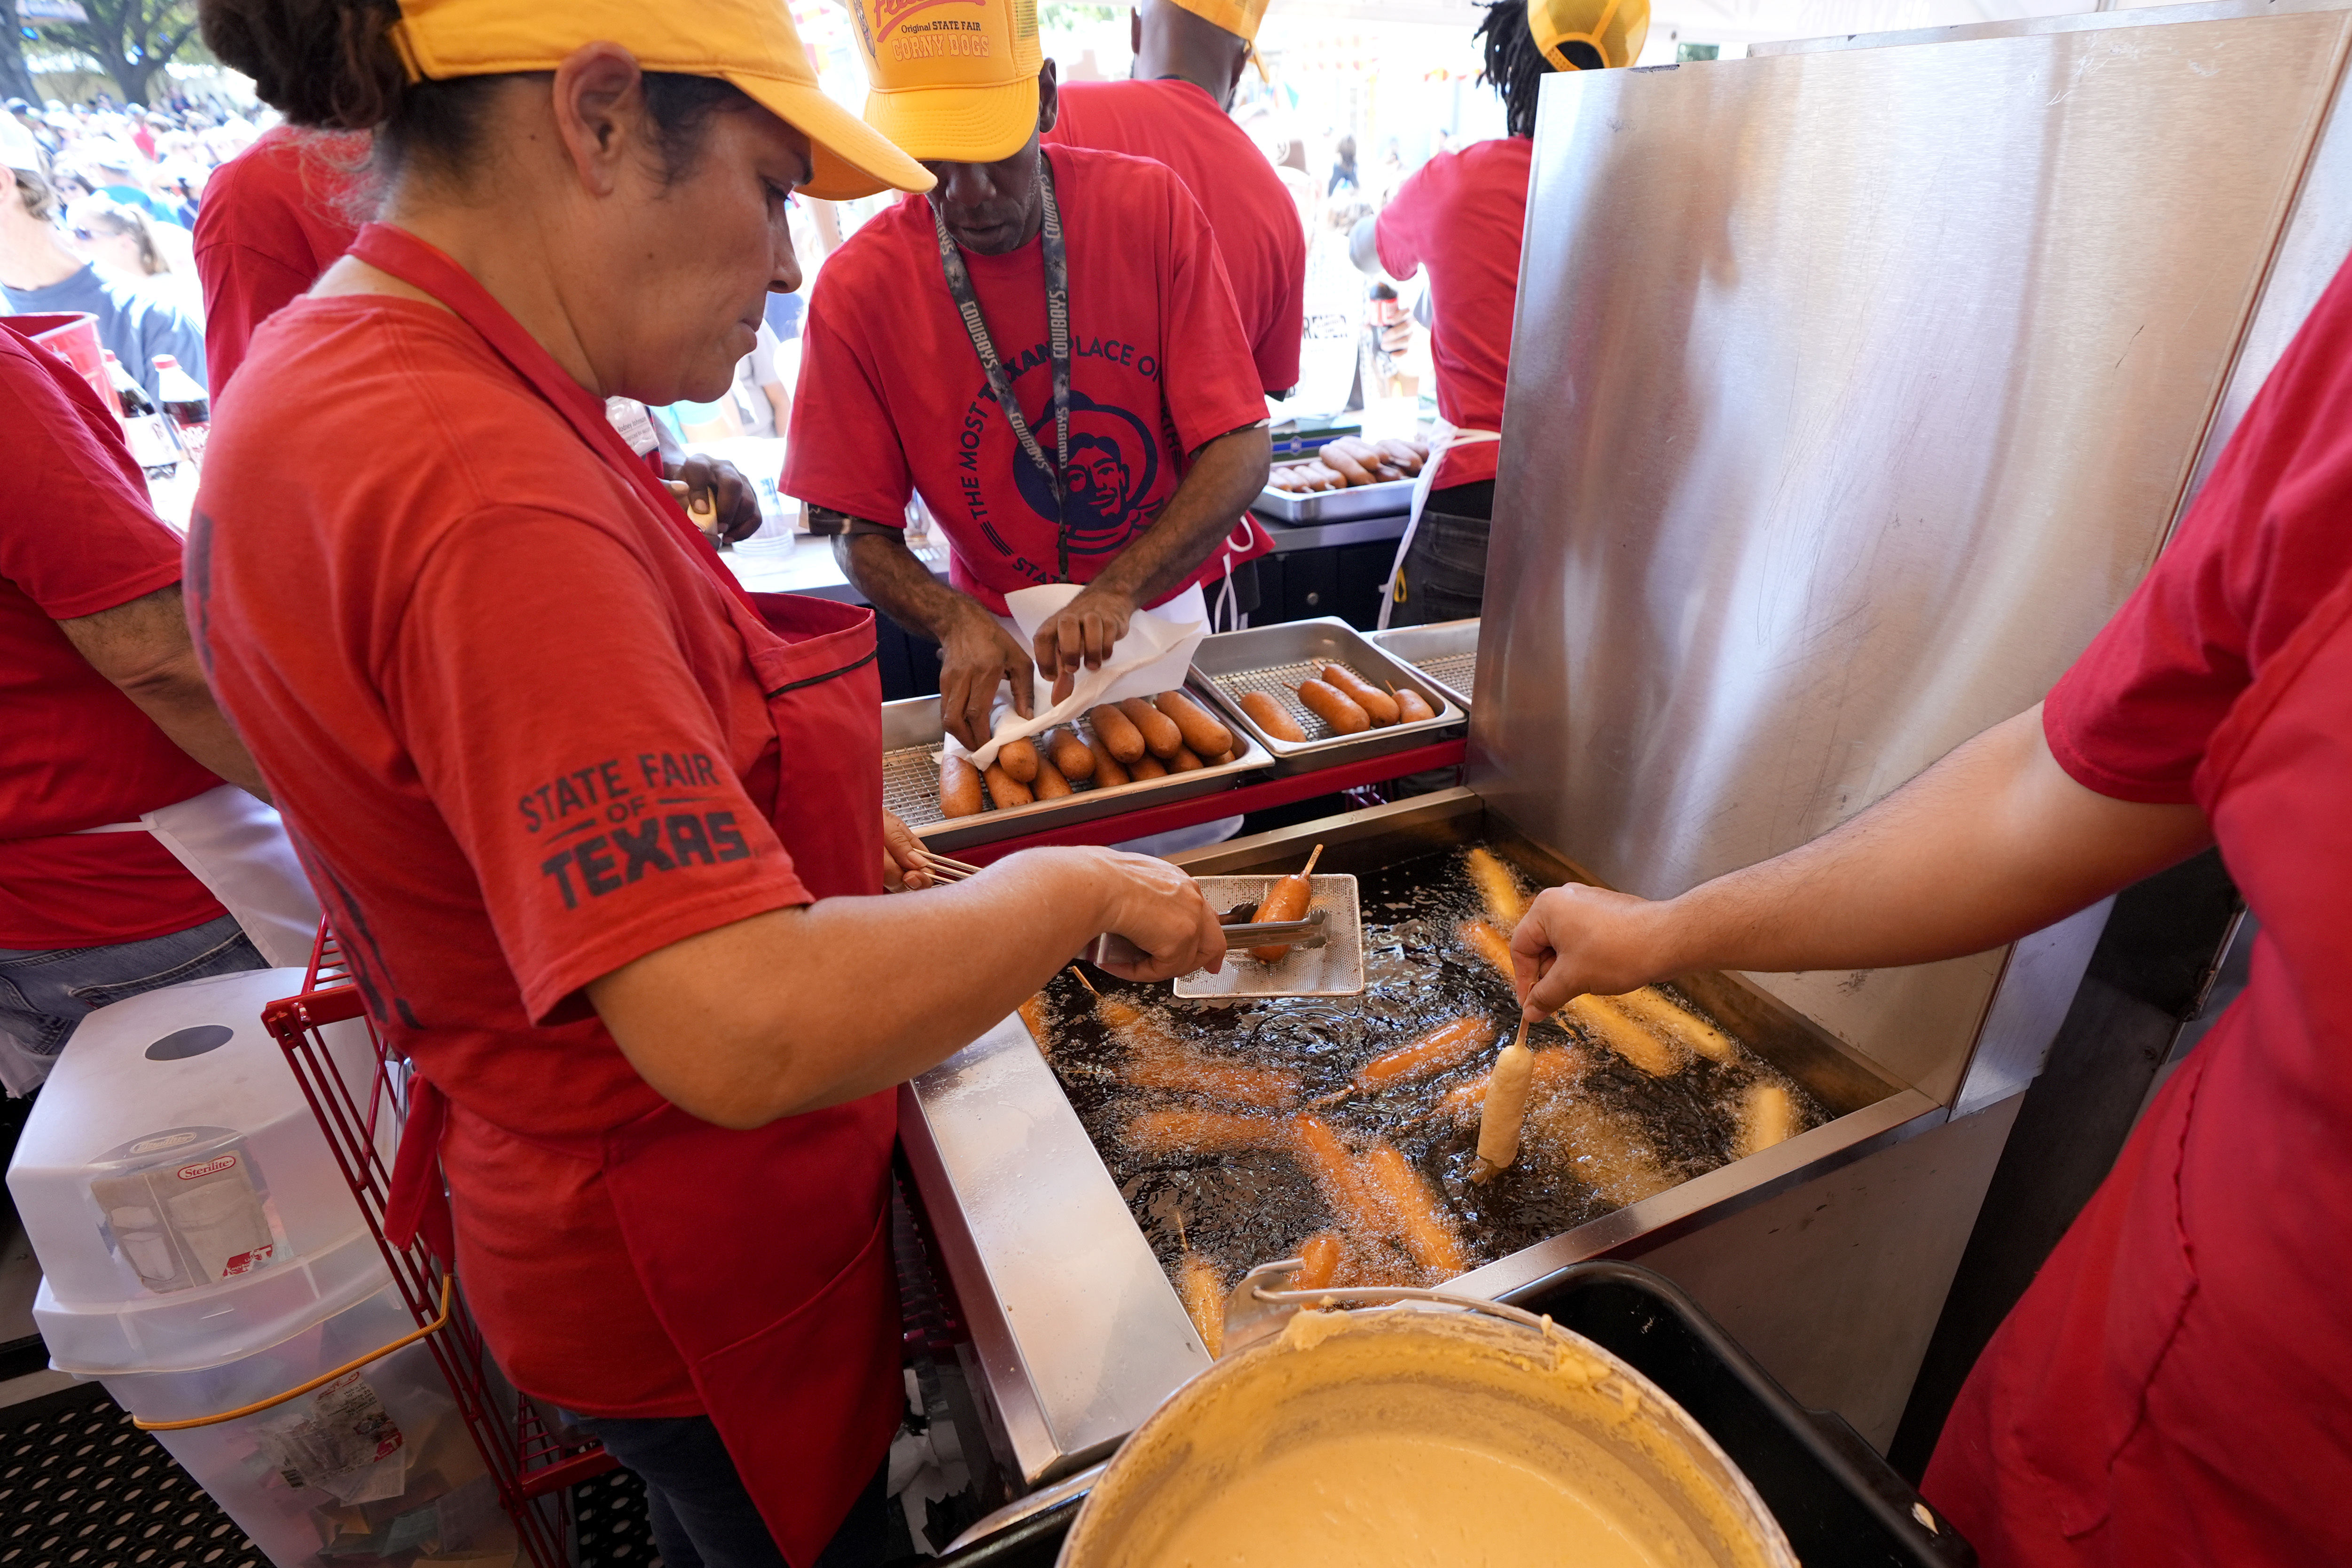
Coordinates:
(131,40)
(16,81)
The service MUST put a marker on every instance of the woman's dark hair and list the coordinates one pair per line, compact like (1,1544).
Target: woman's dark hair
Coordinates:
(332,64)
(1516,67)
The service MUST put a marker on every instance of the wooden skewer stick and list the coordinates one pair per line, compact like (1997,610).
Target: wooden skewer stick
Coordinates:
(1309,869)
(1083,981)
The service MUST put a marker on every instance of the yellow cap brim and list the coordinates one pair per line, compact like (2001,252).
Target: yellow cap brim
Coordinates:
(956,125)
(850,157)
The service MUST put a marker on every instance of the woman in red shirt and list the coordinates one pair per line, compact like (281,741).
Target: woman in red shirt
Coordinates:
(600,832)
(2173,1387)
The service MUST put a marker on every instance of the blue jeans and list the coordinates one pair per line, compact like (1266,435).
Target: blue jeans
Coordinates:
(702,1515)
(44,995)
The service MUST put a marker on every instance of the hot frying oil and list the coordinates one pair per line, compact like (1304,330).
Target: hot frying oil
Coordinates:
(1600,1132)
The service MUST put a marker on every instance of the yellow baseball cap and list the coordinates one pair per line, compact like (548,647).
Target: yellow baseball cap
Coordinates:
(1239,17)
(1615,29)
(953,81)
(750,43)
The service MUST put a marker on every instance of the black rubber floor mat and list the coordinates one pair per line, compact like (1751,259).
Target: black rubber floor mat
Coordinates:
(80,1487)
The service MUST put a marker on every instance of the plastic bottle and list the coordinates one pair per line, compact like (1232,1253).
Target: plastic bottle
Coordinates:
(143,426)
(186,405)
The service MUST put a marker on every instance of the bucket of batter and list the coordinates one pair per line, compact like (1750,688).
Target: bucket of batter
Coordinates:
(1411,1438)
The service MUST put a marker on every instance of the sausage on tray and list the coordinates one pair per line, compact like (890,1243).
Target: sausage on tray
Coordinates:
(1334,707)
(1271,717)
(1378,705)
(1049,784)
(1070,754)
(1005,790)
(1147,766)
(1412,707)
(1116,732)
(959,787)
(1160,735)
(1109,772)
(1202,733)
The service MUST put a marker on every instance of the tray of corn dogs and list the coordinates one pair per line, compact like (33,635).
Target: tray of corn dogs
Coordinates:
(1117,758)
(1317,693)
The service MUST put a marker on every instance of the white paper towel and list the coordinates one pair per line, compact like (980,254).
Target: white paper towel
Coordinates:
(1152,657)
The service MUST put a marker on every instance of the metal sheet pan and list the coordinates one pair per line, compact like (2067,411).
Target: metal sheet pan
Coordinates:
(1391,498)
(912,731)
(1446,651)
(1273,659)
(1079,1334)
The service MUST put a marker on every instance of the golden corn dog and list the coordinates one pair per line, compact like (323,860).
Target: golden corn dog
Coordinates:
(1286,900)
(1651,1007)
(1160,1134)
(1220,760)
(959,787)
(1767,1116)
(1571,1132)
(1185,761)
(1155,1060)
(1378,705)
(1202,733)
(1109,772)
(1334,707)
(1161,738)
(1049,784)
(1320,1152)
(1612,1028)
(1489,944)
(1446,1046)
(1116,732)
(1412,707)
(1070,754)
(1004,790)
(1505,1106)
(1203,1291)
(1147,766)
(1320,1258)
(1419,1220)
(1499,889)
(1552,1071)
(1017,758)
(1271,717)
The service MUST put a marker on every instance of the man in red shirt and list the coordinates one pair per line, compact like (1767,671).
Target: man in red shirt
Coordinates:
(1461,217)
(273,218)
(108,718)
(1122,461)
(2172,1389)
(1188,54)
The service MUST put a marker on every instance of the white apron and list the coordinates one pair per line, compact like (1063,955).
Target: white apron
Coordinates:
(237,847)
(1446,440)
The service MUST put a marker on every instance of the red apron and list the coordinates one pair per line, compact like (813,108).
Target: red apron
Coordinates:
(765,1254)
(2173,1387)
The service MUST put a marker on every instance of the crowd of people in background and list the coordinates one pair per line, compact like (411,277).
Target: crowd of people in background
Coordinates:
(100,209)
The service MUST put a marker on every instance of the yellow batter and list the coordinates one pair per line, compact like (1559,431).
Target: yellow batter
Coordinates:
(1397,1500)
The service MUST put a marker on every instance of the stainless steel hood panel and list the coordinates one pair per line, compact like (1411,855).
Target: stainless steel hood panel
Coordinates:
(1849,393)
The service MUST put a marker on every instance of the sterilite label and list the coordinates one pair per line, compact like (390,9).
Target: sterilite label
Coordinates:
(208,1168)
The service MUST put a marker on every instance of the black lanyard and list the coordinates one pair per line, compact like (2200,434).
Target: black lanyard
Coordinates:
(1058,329)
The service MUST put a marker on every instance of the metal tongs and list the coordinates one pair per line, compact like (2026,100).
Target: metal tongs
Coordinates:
(1239,933)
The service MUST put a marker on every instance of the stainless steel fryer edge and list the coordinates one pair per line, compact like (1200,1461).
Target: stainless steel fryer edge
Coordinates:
(1390,498)
(1079,1334)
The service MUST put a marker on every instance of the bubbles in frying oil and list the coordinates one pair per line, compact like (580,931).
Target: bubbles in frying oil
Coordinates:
(1602,1137)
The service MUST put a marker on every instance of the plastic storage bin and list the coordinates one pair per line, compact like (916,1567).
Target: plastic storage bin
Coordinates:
(201,1253)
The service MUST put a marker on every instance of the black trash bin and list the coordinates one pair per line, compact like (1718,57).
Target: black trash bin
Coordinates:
(1841,1505)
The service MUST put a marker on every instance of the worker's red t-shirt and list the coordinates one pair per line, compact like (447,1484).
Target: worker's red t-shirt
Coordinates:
(893,398)
(77,537)
(1461,215)
(2174,1388)
(515,734)
(1250,212)
(272,219)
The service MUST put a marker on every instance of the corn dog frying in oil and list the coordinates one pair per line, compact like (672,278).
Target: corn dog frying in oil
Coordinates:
(1446,1046)
(1651,1007)
(1505,1107)
(1418,1220)
(1203,1291)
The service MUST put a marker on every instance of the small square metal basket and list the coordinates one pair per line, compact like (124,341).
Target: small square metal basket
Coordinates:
(1334,969)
